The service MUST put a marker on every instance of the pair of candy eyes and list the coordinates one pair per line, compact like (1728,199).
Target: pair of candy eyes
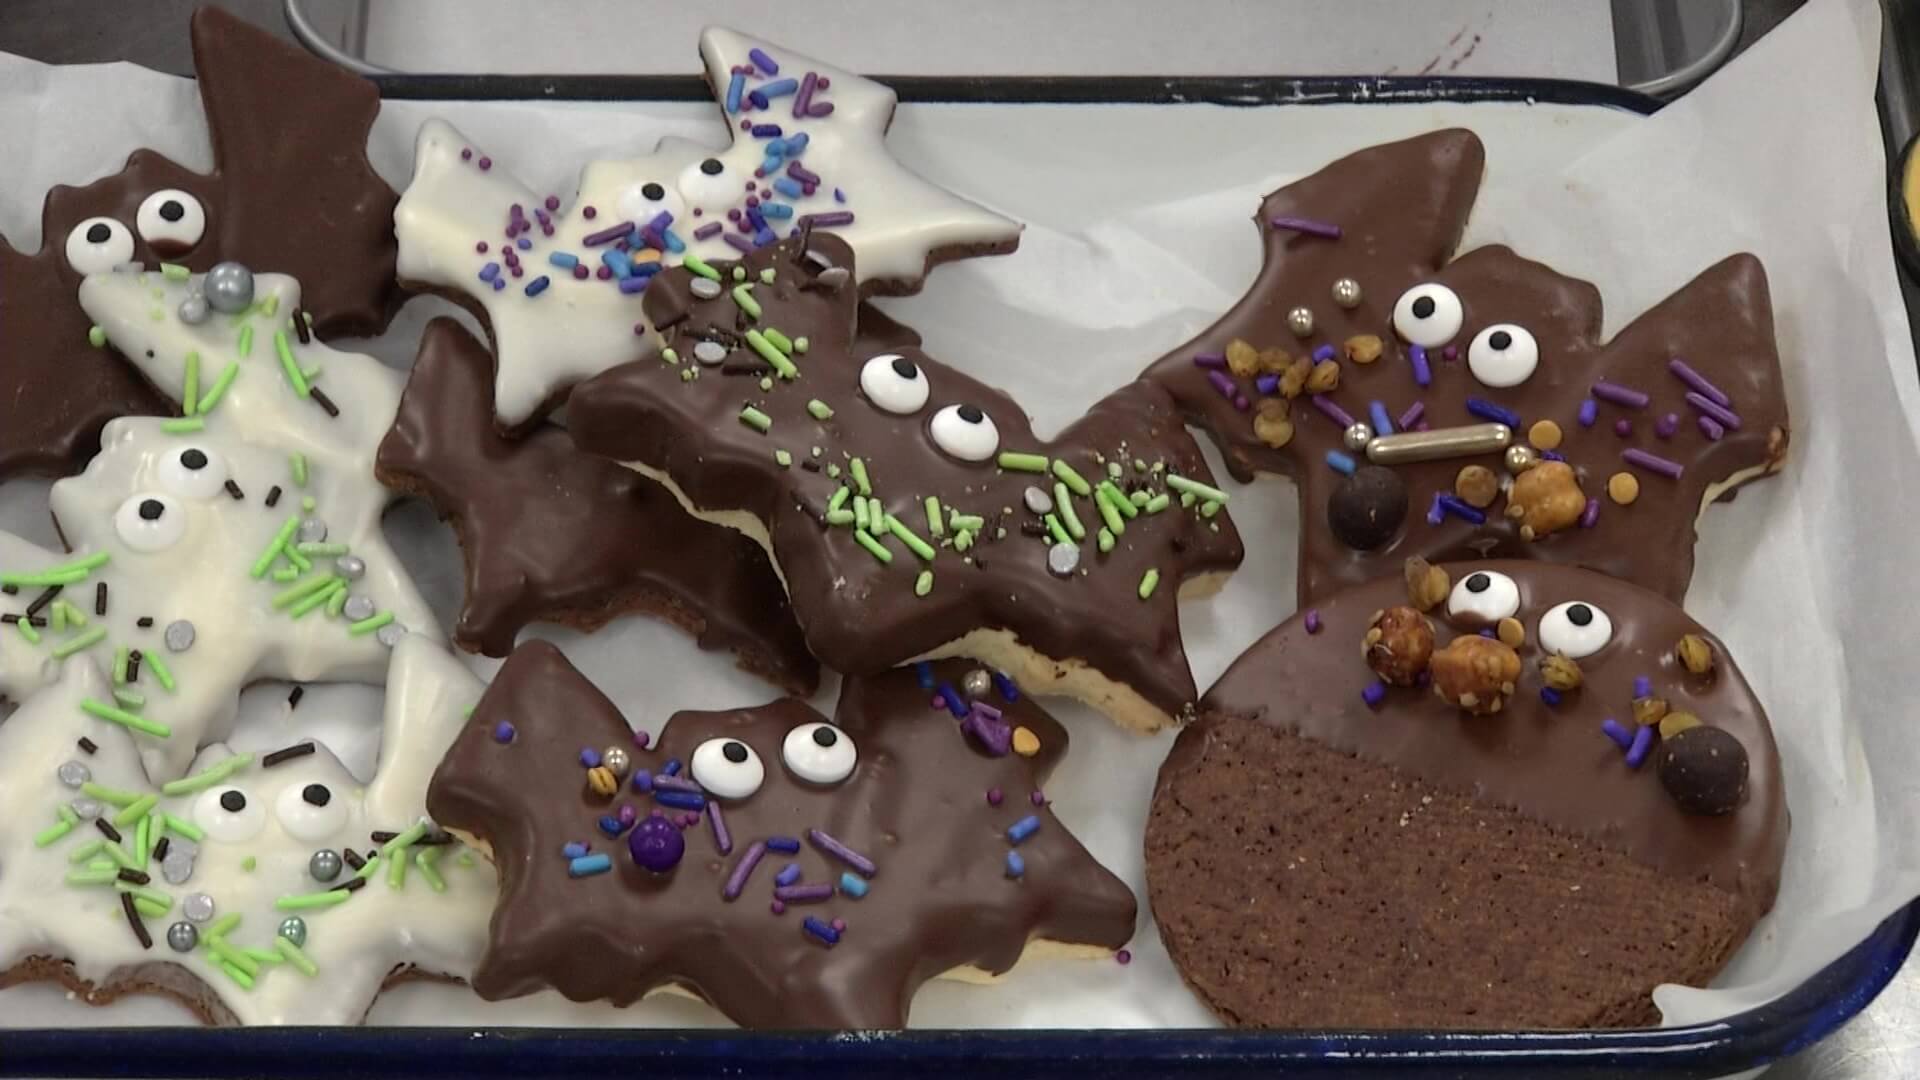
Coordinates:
(1430,315)
(167,217)
(153,521)
(896,385)
(1575,628)
(309,813)
(704,184)
(817,753)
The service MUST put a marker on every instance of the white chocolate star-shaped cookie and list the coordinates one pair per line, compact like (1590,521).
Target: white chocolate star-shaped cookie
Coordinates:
(561,285)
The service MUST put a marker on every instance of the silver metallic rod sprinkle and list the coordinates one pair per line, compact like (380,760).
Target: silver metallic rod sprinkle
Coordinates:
(1464,441)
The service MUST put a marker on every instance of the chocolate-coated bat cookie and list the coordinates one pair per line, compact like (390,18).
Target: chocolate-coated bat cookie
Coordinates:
(793,872)
(1524,807)
(910,509)
(291,191)
(1468,407)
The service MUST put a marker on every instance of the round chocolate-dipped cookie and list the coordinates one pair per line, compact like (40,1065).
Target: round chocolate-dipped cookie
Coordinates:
(1485,795)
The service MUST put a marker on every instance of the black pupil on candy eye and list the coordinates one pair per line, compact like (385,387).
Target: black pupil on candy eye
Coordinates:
(1478,583)
(232,802)
(971,414)
(1579,614)
(654,192)
(316,795)
(824,736)
(172,210)
(904,368)
(151,509)
(1422,307)
(1500,340)
(193,459)
(735,752)
(711,167)
(99,234)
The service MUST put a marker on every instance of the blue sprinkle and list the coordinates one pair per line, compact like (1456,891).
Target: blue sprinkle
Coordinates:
(611,825)
(674,243)
(788,186)
(524,244)
(616,260)
(785,845)
(1642,686)
(1374,693)
(1487,410)
(1016,866)
(1486,631)
(771,163)
(759,99)
(661,220)
(1340,462)
(780,88)
(955,705)
(777,211)
(490,271)
(1549,695)
(589,865)
(853,885)
(1324,352)
(680,800)
(1589,412)
(671,768)
(797,144)
(788,874)
(820,930)
(562,260)
(538,285)
(764,236)
(762,61)
(753,215)
(765,131)
(589,758)
(1552,455)
(503,732)
(1382,423)
(635,283)
(923,671)
(1617,733)
(1436,513)
(1023,828)
(734,87)
(573,850)
(499,283)
(1005,685)
(839,196)
(1462,510)
(642,781)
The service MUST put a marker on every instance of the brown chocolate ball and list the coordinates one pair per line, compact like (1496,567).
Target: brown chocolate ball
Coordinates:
(1705,770)
(1366,510)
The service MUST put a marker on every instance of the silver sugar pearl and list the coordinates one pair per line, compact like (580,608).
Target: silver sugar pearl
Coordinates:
(178,635)
(358,606)
(1521,457)
(325,865)
(177,867)
(615,758)
(1063,559)
(87,809)
(194,310)
(229,288)
(351,567)
(709,352)
(1358,435)
(294,929)
(182,937)
(197,908)
(704,288)
(976,683)
(313,531)
(1039,501)
(1300,321)
(73,773)
(1346,293)
(390,634)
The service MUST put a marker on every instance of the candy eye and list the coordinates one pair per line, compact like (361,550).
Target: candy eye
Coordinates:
(709,184)
(819,753)
(149,523)
(171,221)
(965,432)
(641,203)
(229,815)
(895,384)
(1485,596)
(727,768)
(99,244)
(1503,355)
(310,813)
(194,473)
(1428,315)
(1575,629)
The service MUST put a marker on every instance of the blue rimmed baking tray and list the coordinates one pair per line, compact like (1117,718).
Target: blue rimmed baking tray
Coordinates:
(1743,1042)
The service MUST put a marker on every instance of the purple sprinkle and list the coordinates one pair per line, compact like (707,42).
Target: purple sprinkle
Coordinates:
(589,213)
(817,110)
(1699,382)
(803,894)
(762,61)
(1334,412)
(1450,353)
(1413,414)
(788,874)
(1436,513)
(642,781)
(842,852)
(499,283)
(1210,360)
(734,241)
(987,710)
(1711,429)
(490,271)
(485,163)
(1487,410)
(1037,797)
(1552,455)
(955,703)
(759,99)
(1620,395)
(1313,620)
(765,131)
(679,800)
(503,732)
(1623,427)
(516,212)
(1652,463)
(777,908)
(635,283)
(523,244)
(1008,691)
(1617,733)
(722,839)
(785,845)
(573,850)
(743,870)
(628,815)
(1591,514)
(1462,510)
(802,173)
(1374,694)
(466,153)
(538,285)
(480,248)
(1642,686)
(1549,695)
(1223,384)
(1422,371)
(839,925)
(1308,226)
(828,221)
(607,235)
(1267,384)
(543,216)
(1667,425)
(805,97)
(708,231)
(1323,352)
(818,929)
(1642,745)
(1124,957)
(612,825)
(1486,632)
(674,783)
(994,736)
(660,221)
(1241,402)
(589,758)
(994,796)
(1725,417)
(1589,412)
(1382,423)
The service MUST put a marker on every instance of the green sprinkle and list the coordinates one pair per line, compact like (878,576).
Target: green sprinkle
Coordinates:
(136,811)
(51,833)
(373,863)
(933,516)
(143,840)
(840,517)
(274,546)
(314,601)
(270,305)
(424,858)
(262,956)
(304,589)
(800,345)
(1195,488)
(75,617)
(87,877)
(1063,502)
(405,840)
(301,563)
(1148,582)
(783,459)
(296,957)
(142,892)
(313,547)
(86,851)
(97,337)
(859,470)
(766,383)
(1106,540)
(184,829)
(57,618)
(1187,498)
(306,901)
(820,410)
(249,863)
(743,296)
(368,626)
(174,272)
(219,947)
(767,275)
(289,365)
(240,978)
(1013,461)
(780,341)
(124,718)
(150,909)
(111,796)
(859,512)
(76,644)
(307,503)
(755,419)
(246,340)
(1119,499)
(190,394)
(833,470)
(774,357)
(219,388)
(336,602)
(119,857)
(1058,530)
(868,542)
(1108,513)
(207,777)
(63,574)
(285,573)
(699,266)
(299,463)
(963,539)
(912,539)
(923,584)
(68,815)
(1114,471)
(968,522)
(222,926)
(160,671)
(1208,509)
(839,498)
(739,273)
(397,872)
(1140,499)
(27,631)
(1073,479)
(669,355)
(130,698)
(1140,465)
(1158,503)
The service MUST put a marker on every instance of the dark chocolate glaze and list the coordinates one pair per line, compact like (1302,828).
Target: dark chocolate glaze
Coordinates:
(862,616)
(1551,762)
(1402,207)
(915,804)
(551,533)
(291,192)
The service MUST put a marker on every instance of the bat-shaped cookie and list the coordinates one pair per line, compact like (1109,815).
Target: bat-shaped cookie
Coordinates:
(793,872)
(559,286)
(910,509)
(291,191)
(1410,394)
(243,890)
(1524,807)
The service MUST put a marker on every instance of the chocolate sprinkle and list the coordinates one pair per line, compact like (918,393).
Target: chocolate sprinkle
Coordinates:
(300,327)
(353,858)
(273,495)
(353,884)
(810,465)
(134,877)
(294,695)
(100,598)
(106,829)
(133,666)
(10,590)
(134,920)
(282,756)
(144,622)
(45,598)
(233,489)
(325,402)
(32,620)
(160,849)
(89,745)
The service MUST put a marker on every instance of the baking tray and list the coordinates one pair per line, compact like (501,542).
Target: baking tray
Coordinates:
(1743,1042)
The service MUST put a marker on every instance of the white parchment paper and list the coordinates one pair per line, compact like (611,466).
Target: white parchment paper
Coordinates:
(1138,236)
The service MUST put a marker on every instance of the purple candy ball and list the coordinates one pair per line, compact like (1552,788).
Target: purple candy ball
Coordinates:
(656,845)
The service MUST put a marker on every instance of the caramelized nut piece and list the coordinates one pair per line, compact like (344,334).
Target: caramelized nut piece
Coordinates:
(1544,435)
(602,782)
(1475,673)
(1427,584)
(1294,379)
(1510,632)
(1477,486)
(1560,672)
(1695,654)
(1398,644)
(1242,359)
(1275,360)
(1364,348)
(1325,377)
(1271,422)
(1648,711)
(1676,722)
(1546,499)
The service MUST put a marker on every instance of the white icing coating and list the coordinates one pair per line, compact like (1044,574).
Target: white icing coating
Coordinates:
(354,945)
(198,568)
(578,328)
